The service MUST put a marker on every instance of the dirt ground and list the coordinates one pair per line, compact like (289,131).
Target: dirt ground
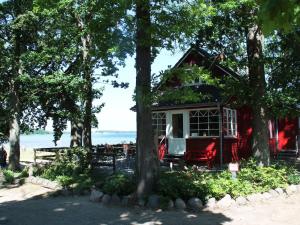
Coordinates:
(26,205)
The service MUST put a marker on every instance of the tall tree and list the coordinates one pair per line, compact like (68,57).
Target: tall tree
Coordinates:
(17,36)
(95,32)
(233,29)
(159,24)
(147,162)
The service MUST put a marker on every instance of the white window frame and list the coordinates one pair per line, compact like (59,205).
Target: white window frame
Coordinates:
(157,122)
(208,123)
(230,125)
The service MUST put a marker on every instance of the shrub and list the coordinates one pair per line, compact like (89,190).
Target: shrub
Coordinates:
(24,173)
(65,181)
(182,185)
(119,183)
(9,176)
(70,163)
(250,179)
(221,184)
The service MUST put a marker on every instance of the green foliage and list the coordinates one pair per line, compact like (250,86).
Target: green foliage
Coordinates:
(279,14)
(9,176)
(119,183)
(251,179)
(65,181)
(183,184)
(69,166)
(24,173)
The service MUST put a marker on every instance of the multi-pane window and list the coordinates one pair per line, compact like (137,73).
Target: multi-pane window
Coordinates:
(204,123)
(159,123)
(230,122)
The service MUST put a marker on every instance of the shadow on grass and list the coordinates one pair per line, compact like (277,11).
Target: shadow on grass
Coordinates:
(42,210)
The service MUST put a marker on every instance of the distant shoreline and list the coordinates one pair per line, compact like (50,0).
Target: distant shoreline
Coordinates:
(44,132)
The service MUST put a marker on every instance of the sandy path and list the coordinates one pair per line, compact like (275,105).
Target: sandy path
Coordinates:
(17,209)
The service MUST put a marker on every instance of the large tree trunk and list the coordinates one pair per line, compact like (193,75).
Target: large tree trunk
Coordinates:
(88,87)
(14,129)
(14,101)
(76,134)
(260,137)
(147,167)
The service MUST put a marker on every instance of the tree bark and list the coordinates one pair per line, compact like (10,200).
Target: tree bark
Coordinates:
(260,134)
(147,166)
(88,87)
(14,130)
(76,134)
(14,100)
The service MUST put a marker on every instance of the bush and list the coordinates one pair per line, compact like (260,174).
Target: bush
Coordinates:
(182,185)
(119,183)
(70,163)
(9,176)
(65,181)
(24,173)
(250,179)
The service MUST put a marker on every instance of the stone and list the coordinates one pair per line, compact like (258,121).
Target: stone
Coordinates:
(125,201)
(279,191)
(115,200)
(211,203)
(241,200)
(153,202)
(96,195)
(225,202)
(266,196)
(180,204)
(170,205)
(141,202)
(195,204)
(291,189)
(106,199)
(129,200)
(254,197)
(273,193)
(298,187)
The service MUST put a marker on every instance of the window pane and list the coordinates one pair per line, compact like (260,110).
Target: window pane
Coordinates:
(214,126)
(214,132)
(203,119)
(177,122)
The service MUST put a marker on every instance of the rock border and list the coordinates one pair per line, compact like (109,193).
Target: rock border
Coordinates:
(195,204)
(53,185)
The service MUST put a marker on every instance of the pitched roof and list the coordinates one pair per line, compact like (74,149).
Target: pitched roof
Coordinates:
(209,58)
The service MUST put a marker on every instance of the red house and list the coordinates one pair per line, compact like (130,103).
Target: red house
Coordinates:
(213,132)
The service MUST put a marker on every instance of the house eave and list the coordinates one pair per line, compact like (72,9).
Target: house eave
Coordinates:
(185,106)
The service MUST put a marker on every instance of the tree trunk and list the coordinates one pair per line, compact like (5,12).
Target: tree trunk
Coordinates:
(14,101)
(260,137)
(76,134)
(14,130)
(88,87)
(147,167)
(87,124)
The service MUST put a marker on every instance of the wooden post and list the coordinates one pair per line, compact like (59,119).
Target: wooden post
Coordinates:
(221,134)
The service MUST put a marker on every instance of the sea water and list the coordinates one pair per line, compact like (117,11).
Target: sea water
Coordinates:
(99,137)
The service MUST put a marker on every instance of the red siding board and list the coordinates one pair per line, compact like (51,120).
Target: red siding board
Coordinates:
(287,131)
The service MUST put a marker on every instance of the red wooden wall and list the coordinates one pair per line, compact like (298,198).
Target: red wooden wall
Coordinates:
(234,149)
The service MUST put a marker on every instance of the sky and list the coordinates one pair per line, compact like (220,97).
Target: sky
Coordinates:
(116,114)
